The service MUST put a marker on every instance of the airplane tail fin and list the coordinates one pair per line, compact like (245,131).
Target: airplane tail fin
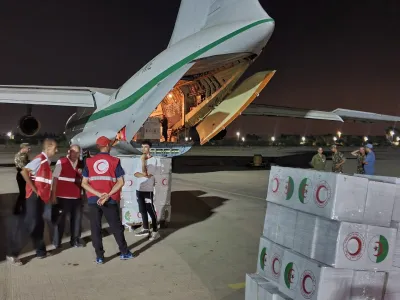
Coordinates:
(194,15)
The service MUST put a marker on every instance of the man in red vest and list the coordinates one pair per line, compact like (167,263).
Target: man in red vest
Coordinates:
(38,177)
(66,192)
(103,178)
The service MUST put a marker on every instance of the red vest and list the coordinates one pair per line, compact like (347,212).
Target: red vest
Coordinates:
(102,178)
(42,180)
(68,184)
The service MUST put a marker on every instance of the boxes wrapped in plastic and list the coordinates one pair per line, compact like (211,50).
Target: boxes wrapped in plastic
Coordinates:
(334,243)
(302,278)
(162,197)
(330,195)
(129,184)
(269,291)
(164,165)
(396,255)
(252,282)
(393,180)
(129,163)
(392,281)
(279,224)
(367,285)
(269,260)
(131,215)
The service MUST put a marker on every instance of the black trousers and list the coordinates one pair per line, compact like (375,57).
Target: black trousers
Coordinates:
(111,212)
(29,225)
(20,206)
(145,207)
(73,208)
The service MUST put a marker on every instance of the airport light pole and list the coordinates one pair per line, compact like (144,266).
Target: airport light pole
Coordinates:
(339,134)
(238,135)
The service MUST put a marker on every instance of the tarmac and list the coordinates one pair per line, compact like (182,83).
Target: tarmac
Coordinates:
(208,247)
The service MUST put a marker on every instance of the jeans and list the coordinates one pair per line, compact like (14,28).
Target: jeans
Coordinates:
(73,208)
(30,225)
(111,212)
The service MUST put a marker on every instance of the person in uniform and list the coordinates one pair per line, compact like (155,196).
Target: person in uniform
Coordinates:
(66,192)
(360,155)
(318,161)
(21,159)
(337,160)
(145,191)
(38,177)
(103,178)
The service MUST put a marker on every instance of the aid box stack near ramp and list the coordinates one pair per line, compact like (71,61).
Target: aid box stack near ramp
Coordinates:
(326,236)
(392,289)
(162,190)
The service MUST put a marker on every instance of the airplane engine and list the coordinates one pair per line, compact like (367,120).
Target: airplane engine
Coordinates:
(29,125)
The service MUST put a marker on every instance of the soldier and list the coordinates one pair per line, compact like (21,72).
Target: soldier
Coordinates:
(21,159)
(337,160)
(318,161)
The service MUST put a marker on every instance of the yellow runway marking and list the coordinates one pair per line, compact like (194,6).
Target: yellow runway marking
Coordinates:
(237,286)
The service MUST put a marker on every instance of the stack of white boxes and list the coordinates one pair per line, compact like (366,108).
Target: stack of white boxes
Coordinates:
(392,291)
(326,236)
(162,190)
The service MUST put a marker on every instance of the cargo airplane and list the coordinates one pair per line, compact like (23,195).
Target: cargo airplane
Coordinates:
(187,91)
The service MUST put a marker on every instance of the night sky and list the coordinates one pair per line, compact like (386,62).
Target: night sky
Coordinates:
(327,54)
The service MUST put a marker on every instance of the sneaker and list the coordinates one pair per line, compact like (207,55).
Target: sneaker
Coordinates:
(99,260)
(154,236)
(143,232)
(126,256)
(77,244)
(41,256)
(14,260)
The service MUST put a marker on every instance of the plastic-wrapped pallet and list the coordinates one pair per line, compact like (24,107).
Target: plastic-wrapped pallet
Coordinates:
(302,278)
(392,289)
(396,255)
(396,209)
(131,214)
(258,288)
(333,196)
(368,285)
(334,243)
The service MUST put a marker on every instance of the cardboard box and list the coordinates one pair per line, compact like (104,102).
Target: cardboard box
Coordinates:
(131,215)
(331,195)
(334,243)
(302,278)
(269,260)
(252,282)
(368,285)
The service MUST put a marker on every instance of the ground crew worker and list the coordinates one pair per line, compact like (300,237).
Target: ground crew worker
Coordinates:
(369,161)
(337,160)
(38,176)
(103,178)
(66,192)
(145,191)
(318,161)
(21,159)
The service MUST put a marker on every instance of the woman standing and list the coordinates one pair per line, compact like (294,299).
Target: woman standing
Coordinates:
(360,154)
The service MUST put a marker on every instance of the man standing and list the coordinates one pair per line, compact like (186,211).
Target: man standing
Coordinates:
(103,178)
(145,191)
(38,176)
(66,191)
(318,161)
(369,162)
(21,159)
(337,160)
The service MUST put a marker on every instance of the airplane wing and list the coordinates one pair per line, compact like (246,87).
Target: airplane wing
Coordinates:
(59,96)
(339,115)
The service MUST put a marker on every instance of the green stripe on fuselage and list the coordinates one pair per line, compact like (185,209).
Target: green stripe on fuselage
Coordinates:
(129,101)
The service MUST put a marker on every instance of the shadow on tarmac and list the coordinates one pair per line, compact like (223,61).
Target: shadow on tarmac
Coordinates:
(188,207)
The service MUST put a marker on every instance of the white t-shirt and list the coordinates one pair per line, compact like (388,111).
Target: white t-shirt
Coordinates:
(144,184)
